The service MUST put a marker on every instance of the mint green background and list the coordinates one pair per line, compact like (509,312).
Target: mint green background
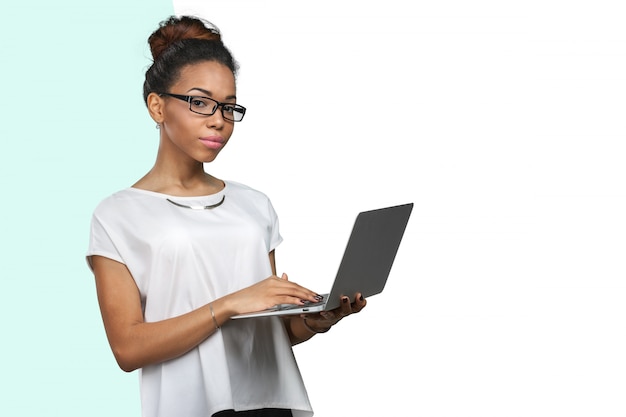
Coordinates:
(73,129)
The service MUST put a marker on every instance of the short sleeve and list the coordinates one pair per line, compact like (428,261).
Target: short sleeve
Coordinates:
(101,243)
(275,237)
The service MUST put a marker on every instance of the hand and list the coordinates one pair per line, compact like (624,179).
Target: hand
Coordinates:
(270,292)
(322,321)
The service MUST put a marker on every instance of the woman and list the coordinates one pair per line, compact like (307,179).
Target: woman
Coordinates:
(181,251)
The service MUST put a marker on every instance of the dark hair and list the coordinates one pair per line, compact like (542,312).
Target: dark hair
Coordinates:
(181,41)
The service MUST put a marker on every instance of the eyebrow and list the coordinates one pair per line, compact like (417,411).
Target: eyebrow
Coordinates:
(208,93)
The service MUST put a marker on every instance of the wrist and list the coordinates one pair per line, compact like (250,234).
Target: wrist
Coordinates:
(227,306)
(220,311)
(313,329)
(217,326)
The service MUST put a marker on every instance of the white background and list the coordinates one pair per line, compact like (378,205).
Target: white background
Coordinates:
(503,122)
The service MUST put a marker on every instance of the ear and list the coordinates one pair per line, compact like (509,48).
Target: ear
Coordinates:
(155,107)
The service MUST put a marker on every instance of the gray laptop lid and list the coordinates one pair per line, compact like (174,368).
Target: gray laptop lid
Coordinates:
(370,253)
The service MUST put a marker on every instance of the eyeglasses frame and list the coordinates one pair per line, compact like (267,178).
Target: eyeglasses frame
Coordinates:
(221,105)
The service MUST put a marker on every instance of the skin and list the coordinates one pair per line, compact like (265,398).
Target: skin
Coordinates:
(179,171)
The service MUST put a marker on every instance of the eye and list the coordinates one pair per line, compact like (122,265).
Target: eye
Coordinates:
(199,103)
(229,108)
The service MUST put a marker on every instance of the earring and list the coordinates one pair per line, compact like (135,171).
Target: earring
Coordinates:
(158,126)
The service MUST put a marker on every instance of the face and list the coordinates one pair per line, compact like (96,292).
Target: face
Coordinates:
(191,135)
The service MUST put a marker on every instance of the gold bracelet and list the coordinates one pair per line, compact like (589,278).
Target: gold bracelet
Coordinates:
(217,326)
(312,330)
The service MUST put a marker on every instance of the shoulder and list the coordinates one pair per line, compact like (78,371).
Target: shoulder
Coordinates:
(238,189)
(120,200)
(251,198)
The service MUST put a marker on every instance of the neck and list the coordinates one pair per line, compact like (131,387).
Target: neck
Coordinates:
(183,171)
(175,173)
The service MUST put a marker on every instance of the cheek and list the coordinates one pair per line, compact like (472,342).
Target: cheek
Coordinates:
(176,130)
(180,134)
(228,130)
(182,122)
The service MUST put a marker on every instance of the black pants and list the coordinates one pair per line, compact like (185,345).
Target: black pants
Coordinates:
(265,412)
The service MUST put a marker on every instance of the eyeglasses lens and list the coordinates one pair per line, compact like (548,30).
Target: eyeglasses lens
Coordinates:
(203,105)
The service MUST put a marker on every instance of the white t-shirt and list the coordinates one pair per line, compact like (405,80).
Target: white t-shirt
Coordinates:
(182,259)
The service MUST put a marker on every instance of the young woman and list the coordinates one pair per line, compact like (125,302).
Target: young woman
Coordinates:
(181,251)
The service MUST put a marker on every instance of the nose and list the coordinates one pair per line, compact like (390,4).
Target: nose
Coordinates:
(216,120)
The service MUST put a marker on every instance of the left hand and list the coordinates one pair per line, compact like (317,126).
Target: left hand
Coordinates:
(324,320)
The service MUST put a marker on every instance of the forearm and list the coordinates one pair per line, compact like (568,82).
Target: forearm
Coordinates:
(149,343)
(137,343)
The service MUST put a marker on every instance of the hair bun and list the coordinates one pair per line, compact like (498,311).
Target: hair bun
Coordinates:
(176,29)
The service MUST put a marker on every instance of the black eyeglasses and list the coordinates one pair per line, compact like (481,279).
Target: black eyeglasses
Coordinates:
(207,106)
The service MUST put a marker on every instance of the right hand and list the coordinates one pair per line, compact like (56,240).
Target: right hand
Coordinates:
(270,292)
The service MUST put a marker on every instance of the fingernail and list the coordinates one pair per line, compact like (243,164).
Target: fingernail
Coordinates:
(345,300)
(319,297)
(361,298)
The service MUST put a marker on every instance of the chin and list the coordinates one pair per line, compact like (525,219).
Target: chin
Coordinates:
(208,159)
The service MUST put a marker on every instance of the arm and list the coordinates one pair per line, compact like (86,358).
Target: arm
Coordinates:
(136,343)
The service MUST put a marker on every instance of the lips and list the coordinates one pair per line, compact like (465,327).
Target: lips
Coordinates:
(212,142)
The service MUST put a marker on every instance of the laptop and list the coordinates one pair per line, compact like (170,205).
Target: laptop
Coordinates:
(366,262)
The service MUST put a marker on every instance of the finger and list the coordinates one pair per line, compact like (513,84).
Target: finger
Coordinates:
(359,303)
(283,277)
(288,299)
(284,288)
(292,289)
(346,307)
